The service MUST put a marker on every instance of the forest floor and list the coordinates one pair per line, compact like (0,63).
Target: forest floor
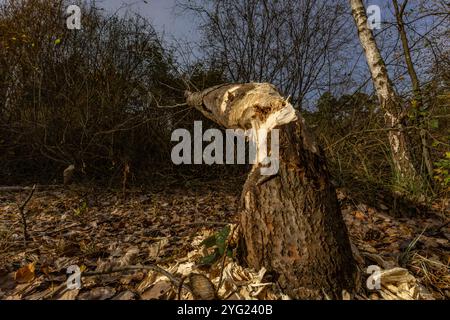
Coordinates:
(117,240)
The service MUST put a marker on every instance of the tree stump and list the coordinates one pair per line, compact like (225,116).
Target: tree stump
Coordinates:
(290,223)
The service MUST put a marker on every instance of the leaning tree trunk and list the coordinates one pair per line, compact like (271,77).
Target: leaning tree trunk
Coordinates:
(291,223)
(389,101)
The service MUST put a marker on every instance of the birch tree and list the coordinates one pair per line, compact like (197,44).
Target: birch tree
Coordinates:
(389,100)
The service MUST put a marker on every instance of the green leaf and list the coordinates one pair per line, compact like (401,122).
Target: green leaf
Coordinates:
(423,113)
(209,242)
(434,124)
(210,259)
(57,41)
(221,239)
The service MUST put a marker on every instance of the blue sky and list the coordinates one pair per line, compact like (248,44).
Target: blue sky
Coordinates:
(162,14)
(169,21)
(165,17)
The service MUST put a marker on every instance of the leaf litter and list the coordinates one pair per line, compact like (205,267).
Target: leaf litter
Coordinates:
(177,243)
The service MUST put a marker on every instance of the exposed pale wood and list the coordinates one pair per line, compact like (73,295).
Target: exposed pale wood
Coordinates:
(241,106)
(291,224)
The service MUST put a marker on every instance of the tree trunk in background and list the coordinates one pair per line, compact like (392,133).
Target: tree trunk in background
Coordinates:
(291,222)
(389,101)
(417,102)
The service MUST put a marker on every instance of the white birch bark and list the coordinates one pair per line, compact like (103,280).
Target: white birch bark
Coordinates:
(389,101)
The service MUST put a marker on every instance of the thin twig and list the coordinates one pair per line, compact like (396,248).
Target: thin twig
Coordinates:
(19,188)
(181,286)
(22,215)
(188,224)
(172,106)
(47,233)
(166,107)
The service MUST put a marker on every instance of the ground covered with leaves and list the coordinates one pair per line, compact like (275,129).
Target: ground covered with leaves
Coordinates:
(177,242)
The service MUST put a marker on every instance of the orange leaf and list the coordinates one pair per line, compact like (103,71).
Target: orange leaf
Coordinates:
(45,270)
(359,215)
(25,274)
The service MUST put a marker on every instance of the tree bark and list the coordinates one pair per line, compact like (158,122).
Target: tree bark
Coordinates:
(417,92)
(290,223)
(389,101)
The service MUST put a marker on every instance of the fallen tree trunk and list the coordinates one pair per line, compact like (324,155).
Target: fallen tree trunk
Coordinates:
(291,223)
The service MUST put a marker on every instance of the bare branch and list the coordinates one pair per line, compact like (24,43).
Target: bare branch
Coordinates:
(22,215)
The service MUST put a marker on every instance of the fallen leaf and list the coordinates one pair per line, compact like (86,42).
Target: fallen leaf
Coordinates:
(129,257)
(7,281)
(100,293)
(202,287)
(25,274)
(147,282)
(155,248)
(69,295)
(124,295)
(157,291)
(359,215)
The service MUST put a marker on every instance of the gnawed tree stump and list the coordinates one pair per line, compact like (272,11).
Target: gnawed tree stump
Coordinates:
(291,223)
